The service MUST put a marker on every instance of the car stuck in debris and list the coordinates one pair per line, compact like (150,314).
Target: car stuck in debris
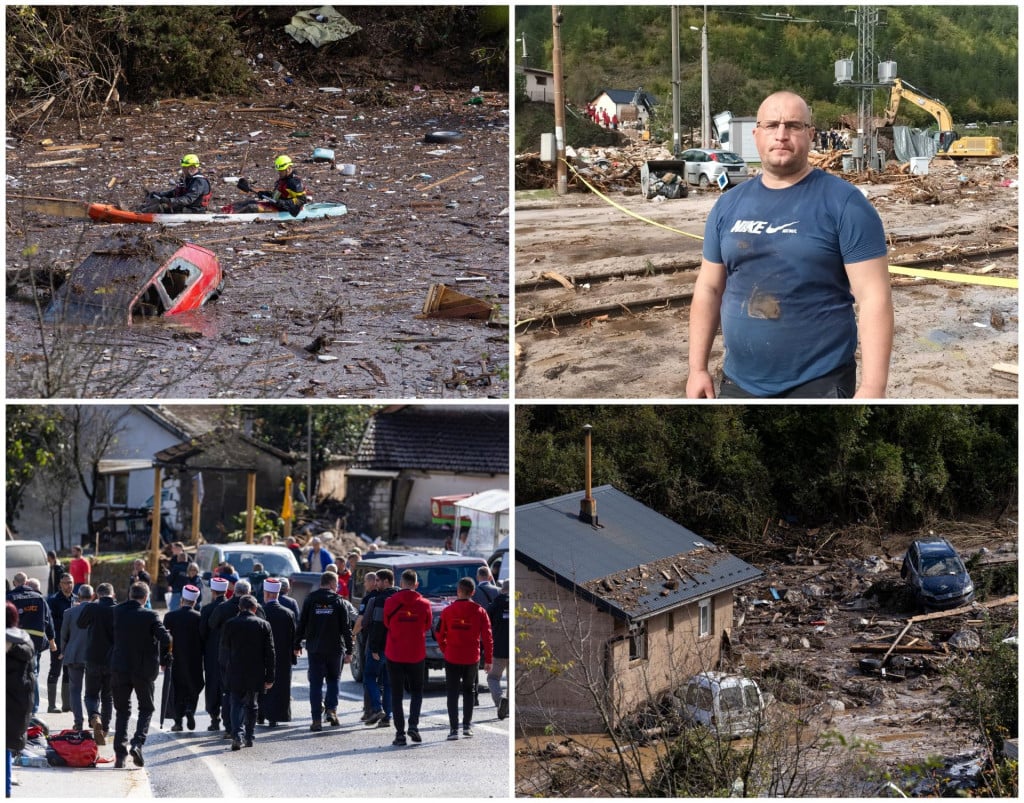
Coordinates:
(729,706)
(937,575)
(126,278)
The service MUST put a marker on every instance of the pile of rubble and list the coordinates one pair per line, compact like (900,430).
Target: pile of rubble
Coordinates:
(606,169)
(836,635)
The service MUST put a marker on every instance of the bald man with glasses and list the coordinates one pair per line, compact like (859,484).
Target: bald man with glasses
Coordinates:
(795,271)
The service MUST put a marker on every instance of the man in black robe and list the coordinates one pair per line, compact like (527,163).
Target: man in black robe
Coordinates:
(211,652)
(187,669)
(276,704)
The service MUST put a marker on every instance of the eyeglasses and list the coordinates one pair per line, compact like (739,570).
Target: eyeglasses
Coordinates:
(792,126)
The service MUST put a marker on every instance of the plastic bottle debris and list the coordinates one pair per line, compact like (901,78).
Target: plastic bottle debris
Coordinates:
(25,760)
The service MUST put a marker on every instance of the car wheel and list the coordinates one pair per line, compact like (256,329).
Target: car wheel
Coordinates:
(704,181)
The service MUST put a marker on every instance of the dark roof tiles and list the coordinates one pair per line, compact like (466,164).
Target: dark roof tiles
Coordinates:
(464,439)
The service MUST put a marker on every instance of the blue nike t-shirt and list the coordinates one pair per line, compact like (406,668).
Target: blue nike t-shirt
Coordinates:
(787,311)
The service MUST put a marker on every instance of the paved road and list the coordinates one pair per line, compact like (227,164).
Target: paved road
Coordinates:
(289,761)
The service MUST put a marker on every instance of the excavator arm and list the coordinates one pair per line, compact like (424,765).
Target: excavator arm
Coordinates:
(902,90)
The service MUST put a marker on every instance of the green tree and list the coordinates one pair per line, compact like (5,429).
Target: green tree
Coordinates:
(32,444)
(332,430)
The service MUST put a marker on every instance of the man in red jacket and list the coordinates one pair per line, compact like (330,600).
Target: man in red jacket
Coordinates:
(407,617)
(464,627)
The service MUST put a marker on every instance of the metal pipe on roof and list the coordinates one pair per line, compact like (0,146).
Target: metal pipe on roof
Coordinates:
(588,505)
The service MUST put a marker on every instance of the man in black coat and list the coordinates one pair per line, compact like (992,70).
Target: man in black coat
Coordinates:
(287,601)
(276,704)
(141,646)
(60,603)
(211,652)
(36,620)
(247,653)
(498,613)
(325,628)
(187,669)
(98,619)
(21,680)
(226,611)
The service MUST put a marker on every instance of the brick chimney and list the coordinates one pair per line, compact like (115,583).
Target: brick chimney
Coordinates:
(588,505)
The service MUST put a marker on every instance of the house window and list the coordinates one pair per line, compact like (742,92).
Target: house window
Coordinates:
(638,642)
(113,490)
(706,623)
(541,80)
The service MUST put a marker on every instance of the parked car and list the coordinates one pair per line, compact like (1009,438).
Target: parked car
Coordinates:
(130,277)
(937,575)
(730,706)
(438,577)
(278,561)
(28,557)
(705,165)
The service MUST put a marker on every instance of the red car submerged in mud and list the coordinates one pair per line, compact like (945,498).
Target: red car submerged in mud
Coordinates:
(130,277)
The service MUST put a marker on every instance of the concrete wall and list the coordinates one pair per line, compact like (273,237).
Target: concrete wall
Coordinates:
(375,511)
(540,88)
(599,646)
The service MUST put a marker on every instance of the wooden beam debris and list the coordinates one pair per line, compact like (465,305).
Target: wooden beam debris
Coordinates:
(995,603)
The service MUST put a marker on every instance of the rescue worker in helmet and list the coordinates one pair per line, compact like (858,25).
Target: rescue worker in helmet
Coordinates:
(289,193)
(191,194)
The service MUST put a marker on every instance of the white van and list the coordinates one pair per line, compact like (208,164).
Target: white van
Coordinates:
(730,706)
(28,557)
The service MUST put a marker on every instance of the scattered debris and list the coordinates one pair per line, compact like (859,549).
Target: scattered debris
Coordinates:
(444,302)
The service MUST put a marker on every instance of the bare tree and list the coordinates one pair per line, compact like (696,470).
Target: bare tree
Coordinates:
(634,741)
(91,432)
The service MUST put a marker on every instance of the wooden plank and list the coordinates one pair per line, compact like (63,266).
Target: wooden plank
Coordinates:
(925,617)
(1006,368)
(875,649)
(86,146)
(57,162)
(442,181)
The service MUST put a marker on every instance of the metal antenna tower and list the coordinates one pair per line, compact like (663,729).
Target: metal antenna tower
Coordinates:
(866,20)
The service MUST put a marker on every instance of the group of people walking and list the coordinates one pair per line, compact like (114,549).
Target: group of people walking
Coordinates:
(241,652)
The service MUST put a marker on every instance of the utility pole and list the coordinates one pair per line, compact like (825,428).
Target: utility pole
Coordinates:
(675,81)
(561,174)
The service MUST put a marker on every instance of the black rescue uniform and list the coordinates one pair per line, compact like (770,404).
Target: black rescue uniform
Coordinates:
(191,194)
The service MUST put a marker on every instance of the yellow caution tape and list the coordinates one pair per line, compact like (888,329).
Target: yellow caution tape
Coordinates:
(964,278)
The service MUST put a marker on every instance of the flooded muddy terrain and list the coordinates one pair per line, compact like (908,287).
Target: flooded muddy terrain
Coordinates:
(602,295)
(325,308)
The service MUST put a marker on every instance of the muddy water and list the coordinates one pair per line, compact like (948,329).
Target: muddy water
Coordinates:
(419,214)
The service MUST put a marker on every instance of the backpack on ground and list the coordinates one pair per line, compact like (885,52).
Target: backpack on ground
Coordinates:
(72,748)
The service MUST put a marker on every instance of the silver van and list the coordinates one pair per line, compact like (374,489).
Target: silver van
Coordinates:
(28,557)
(730,706)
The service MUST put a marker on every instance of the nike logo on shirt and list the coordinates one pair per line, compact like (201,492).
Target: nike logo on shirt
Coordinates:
(759,227)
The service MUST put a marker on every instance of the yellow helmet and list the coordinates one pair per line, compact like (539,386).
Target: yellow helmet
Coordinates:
(190,160)
(282,162)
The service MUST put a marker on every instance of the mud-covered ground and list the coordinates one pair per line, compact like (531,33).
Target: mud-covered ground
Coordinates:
(419,214)
(621,330)
(798,631)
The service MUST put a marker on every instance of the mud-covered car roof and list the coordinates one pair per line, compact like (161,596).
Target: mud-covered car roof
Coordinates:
(103,287)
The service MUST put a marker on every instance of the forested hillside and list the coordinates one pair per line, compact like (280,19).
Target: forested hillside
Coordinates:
(964,55)
(726,471)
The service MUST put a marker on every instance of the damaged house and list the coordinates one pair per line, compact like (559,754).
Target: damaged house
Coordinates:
(642,604)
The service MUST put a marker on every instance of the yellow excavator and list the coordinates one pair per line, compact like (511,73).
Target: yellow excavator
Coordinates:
(950,143)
